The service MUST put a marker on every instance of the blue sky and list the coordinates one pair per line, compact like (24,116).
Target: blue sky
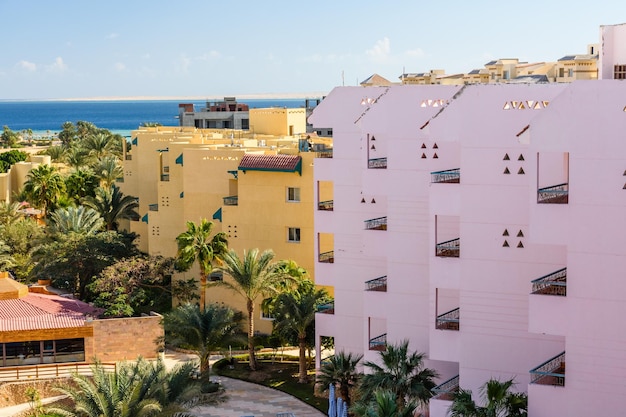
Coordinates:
(84,49)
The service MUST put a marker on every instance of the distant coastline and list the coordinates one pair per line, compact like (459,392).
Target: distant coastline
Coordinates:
(258,96)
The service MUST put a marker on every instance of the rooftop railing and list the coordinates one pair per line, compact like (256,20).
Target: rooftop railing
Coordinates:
(328,308)
(232,200)
(325,205)
(551,372)
(327,257)
(449,248)
(377,284)
(446,389)
(153,207)
(379,223)
(449,176)
(555,194)
(551,284)
(379,343)
(49,371)
(377,163)
(449,321)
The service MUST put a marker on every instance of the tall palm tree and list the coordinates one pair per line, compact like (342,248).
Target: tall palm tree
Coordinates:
(341,370)
(498,398)
(77,157)
(383,404)
(294,311)
(81,220)
(196,244)
(107,169)
(44,186)
(401,372)
(253,277)
(113,205)
(97,145)
(203,331)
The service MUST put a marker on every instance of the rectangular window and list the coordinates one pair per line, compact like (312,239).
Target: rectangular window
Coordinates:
(561,72)
(245,124)
(293,234)
(570,72)
(293,194)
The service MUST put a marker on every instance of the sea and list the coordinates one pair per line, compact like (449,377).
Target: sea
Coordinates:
(45,118)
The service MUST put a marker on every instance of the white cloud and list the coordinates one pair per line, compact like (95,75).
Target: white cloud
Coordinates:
(111,36)
(416,53)
(380,52)
(57,66)
(27,66)
(210,56)
(119,66)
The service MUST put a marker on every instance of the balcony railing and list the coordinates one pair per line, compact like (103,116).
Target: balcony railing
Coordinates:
(327,257)
(551,372)
(379,343)
(153,207)
(449,248)
(50,371)
(325,205)
(165,177)
(555,194)
(449,320)
(377,163)
(450,176)
(326,153)
(379,223)
(232,200)
(377,284)
(128,157)
(551,284)
(328,308)
(445,391)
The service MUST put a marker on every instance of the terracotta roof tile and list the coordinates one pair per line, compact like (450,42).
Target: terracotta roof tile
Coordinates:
(269,162)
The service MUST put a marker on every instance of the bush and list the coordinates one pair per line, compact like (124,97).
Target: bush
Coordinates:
(209,387)
(223,363)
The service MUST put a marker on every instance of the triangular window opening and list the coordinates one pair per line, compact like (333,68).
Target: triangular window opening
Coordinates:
(423,156)
(362,200)
(537,106)
(373,147)
(507,106)
(624,187)
(373,201)
(505,244)
(435,146)
(521,171)
(520,244)
(520,233)
(506,157)
(435,156)
(506,232)
(424,146)
(521,106)
(521,157)
(373,138)
(506,171)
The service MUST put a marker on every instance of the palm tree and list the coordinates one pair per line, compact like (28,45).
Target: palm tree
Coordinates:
(80,183)
(401,372)
(97,145)
(113,205)
(107,169)
(254,276)
(498,399)
(135,389)
(56,153)
(44,186)
(384,404)
(6,258)
(80,220)
(77,157)
(341,370)
(10,212)
(294,311)
(196,244)
(203,331)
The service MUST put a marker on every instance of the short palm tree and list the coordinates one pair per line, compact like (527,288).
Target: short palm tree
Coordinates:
(402,373)
(77,157)
(203,331)
(383,404)
(341,371)
(81,220)
(107,169)
(197,244)
(113,206)
(44,187)
(10,212)
(253,277)
(498,399)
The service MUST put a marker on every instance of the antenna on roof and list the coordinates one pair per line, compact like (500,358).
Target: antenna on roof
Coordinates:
(343,80)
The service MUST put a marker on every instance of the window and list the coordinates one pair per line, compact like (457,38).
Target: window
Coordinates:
(561,72)
(619,72)
(293,194)
(570,72)
(294,234)
(245,124)
(506,75)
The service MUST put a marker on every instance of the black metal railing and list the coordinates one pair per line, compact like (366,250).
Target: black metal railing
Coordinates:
(377,163)
(449,321)
(551,284)
(449,248)
(379,223)
(232,200)
(446,389)
(377,284)
(551,372)
(449,176)
(555,194)
(328,308)
(325,205)
(153,207)
(327,257)
(379,342)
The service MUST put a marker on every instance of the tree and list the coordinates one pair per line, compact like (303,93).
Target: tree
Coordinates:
(113,205)
(77,157)
(97,145)
(384,404)
(80,220)
(21,235)
(10,212)
(44,186)
(135,389)
(341,370)
(107,170)
(294,313)
(196,244)
(8,137)
(252,277)
(68,133)
(56,153)
(498,399)
(204,331)
(81,183)
(402,373)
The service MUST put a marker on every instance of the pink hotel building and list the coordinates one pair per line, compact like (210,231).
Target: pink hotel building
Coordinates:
(486,224)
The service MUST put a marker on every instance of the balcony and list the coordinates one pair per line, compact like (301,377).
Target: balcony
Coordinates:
(551,284)
(232,200)
(449,248)
(328,308)
(450,176)
(551,372)
(153,207)
(379,343)
(449,320)
(377,284)
(377,163)
(446,390)
(379,223)
(555,194)
(327,257)
(325,205)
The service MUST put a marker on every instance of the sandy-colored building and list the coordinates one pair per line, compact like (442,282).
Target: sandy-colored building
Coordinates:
(14,179)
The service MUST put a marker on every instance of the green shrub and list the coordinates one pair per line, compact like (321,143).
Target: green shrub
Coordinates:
(209,387)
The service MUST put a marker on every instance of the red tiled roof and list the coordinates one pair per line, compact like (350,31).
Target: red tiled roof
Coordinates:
(270,162)
(40,311)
